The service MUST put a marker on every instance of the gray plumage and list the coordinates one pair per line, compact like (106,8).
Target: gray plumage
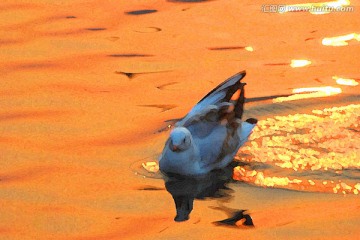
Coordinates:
(210,135)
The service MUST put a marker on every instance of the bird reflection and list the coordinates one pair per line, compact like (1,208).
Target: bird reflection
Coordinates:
(185,190)
(235,216)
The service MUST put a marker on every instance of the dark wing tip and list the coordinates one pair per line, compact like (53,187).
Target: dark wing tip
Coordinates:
(240,75)
(243,73)
(235,80)
(252,120)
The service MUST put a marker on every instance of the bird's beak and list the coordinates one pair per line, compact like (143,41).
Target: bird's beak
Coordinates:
(174,148)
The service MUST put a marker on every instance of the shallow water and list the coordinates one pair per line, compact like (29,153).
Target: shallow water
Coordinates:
(87,85)
(308,152)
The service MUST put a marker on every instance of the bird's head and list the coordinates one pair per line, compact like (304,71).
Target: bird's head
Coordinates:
(180,139)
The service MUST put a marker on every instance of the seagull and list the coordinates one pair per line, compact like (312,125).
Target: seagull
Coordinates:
(210,135)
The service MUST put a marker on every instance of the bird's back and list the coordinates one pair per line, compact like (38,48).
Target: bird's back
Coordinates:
(216,129)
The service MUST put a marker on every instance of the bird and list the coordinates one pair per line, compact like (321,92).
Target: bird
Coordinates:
(210,135)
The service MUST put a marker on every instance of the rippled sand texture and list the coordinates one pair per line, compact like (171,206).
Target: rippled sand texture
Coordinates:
(87,85)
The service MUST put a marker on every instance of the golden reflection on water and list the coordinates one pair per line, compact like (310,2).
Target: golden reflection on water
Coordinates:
(327,90)
(313,151)
(345,81)
(313,92)
(340,40)
(152,166)
(249,49)
(299,63)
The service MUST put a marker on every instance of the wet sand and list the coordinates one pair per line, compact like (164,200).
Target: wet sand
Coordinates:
(86,87)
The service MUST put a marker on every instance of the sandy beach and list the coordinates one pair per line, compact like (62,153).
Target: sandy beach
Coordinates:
(86,90)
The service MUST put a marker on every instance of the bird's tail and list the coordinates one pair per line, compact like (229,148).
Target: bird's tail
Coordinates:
(244,131)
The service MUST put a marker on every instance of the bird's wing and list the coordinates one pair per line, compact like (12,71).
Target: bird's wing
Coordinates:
(217,129)
(213,133)
(221,94)
(209,119)
(219,145)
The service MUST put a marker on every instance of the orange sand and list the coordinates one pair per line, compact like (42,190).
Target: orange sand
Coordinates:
(72,125)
